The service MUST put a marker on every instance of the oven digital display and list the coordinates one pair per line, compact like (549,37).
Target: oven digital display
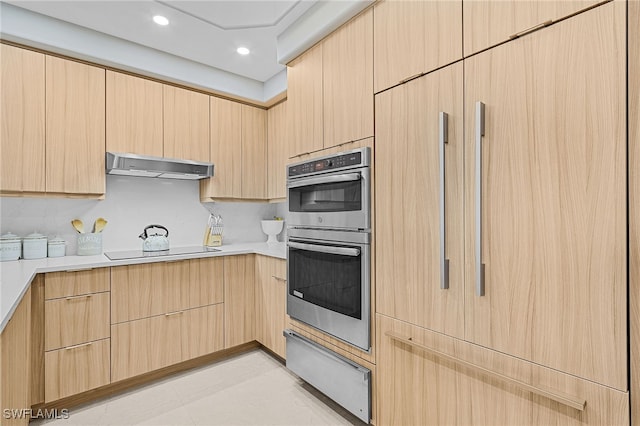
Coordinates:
(332,163)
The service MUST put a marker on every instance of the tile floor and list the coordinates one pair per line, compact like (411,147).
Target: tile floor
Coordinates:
(250,389)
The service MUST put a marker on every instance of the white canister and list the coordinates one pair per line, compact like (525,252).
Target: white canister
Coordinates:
(34,246)
(56,247)
(10,247)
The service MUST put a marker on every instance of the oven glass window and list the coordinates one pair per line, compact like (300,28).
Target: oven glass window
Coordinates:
(331,281)
(327,197)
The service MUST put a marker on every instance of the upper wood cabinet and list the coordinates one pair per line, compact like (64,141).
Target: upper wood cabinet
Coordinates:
(488,23)
(134,115)
(409,145)
(277,150)
(254,152)
(75,123)
(22,101)
(186,124)
(553,197)
(304,95)
(347,76)
(414,37)
(238,151)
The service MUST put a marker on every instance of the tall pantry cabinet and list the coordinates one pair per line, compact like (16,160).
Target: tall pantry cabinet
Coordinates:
(536,193)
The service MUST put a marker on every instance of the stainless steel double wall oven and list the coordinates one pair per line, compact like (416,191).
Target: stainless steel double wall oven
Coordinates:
(329,270)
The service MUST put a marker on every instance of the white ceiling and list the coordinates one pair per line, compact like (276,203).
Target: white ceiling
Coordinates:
(207,32)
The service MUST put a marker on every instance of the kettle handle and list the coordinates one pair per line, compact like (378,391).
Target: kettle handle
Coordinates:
(144,232)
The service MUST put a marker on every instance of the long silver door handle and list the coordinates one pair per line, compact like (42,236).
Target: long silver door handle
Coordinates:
(443,139)
(479,136)
(343,251)
(345,177)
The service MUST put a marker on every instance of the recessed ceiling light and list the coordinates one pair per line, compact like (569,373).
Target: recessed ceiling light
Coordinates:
(243,50)
(160,20)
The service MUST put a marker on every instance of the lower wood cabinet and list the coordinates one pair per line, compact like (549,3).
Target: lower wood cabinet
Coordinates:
(428,378)
(76,369)
(239,300)
(271,303)
(149,344)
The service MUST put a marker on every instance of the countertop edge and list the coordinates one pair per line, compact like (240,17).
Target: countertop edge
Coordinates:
(16,276)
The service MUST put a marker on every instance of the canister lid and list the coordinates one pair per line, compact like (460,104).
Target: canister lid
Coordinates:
(56,241)
(35,236)
(9,237)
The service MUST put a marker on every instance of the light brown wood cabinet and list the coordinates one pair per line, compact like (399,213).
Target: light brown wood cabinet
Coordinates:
(76,332)
(239,300)
(413,38)
(278,140)
(408,149)
(22,137)
(554,234)
(271,303)
(186,124)
(330,88)
(75,123)
(145,290)
(238,151)
(467,386)
(151,343)
(488,23)
(134,115)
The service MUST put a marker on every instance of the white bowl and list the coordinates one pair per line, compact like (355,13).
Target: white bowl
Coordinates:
(272,228)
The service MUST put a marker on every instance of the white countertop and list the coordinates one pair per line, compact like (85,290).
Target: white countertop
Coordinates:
(16,276)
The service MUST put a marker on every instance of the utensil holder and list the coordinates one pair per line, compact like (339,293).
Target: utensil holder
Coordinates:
(89,244)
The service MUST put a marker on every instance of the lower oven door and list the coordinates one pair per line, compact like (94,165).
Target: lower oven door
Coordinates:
(328,276)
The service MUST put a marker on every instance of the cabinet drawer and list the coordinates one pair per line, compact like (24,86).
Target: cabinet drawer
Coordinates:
(431,379)
(76,319)
(76,369)
(63,284)
(152,343)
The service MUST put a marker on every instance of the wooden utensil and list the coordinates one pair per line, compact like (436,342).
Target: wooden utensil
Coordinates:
(99,225)
(78,225)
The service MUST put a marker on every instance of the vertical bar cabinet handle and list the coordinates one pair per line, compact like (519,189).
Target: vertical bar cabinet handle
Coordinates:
(442,140)
(479,135)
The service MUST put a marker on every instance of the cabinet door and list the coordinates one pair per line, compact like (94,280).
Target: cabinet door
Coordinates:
(488,23)
(347,76)
(75,148)
(134,115)
(408,221)
(553,197)
(186,124)
(202,331)
(304,93)
(254,152)
(226,150)
(417,387)
(271,309)
(239,300)
(277,152)
(22,103)
(414,37)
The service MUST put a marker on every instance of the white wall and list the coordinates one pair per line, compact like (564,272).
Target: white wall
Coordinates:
(132,203)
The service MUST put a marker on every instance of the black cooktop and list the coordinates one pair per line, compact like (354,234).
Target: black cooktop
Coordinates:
(136,254)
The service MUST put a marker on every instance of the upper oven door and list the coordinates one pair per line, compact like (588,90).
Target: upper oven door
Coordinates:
(339,200)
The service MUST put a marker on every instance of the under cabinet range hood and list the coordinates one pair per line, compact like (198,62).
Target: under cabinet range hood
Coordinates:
(156,167)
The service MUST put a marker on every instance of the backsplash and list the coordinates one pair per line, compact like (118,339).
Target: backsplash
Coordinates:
(131,204)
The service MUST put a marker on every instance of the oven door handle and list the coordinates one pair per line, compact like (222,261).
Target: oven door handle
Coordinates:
(343,251)
(345,177)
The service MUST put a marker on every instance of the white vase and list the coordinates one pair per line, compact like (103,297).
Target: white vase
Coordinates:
(272,228)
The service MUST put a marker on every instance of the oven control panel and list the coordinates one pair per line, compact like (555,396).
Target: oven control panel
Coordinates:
(339,161)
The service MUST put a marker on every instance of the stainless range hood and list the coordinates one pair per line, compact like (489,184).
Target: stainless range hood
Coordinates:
(156,167)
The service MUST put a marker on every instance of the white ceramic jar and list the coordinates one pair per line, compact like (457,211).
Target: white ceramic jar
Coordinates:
(56,247)
(10,247)
(34,246)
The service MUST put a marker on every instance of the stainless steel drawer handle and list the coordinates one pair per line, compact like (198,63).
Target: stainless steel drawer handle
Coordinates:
(479,136)
(78,346)
(279,278)
(562,398)
(170,314)
(443,140)
(84,296)
(342,251)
